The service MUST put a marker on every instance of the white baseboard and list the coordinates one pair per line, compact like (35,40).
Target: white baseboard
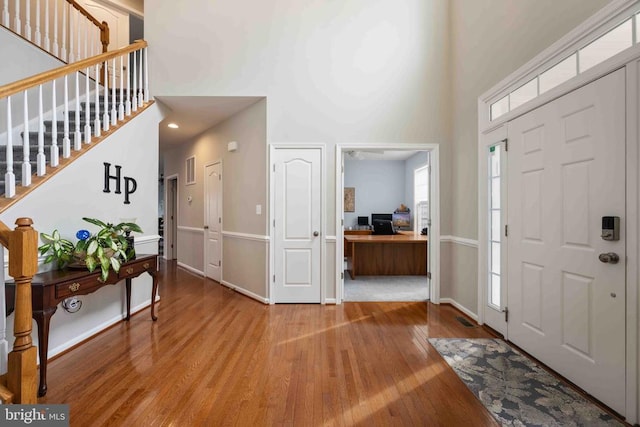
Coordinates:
(94,331)
(460,307)
(245,292)
(331,301)
(190,269)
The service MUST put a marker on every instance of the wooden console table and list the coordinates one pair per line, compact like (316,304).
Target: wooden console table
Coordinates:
(48,289)
(404,253)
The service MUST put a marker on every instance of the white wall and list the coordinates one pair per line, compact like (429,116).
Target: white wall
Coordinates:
(489,40)
(77,191)
(379,187)
(355,71)
(417,161)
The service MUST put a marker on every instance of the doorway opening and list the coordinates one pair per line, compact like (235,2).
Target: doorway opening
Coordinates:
(170,223)
(397,185)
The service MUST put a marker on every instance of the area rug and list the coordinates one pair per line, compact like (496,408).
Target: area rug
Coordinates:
(516,390)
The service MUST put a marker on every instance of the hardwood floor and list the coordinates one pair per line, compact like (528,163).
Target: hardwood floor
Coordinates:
(215,357)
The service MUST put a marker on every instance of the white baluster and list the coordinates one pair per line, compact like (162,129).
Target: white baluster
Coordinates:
(47,40)
(41,162)
(105,116)
(79,20)
(146,75)
(72,31)
(26,166)
(121,103)
(17,24)
(27,25)
(87,27)
(66,142)
(127,105)
(87,108)
(56,48)
(5,13)
(77,137)
(140,96)
(114,113)
(96,126)
(54,152)
(134,95)
(37,34)
(63,47)
(9,176)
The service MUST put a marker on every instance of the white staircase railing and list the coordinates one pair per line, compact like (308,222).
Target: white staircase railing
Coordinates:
(61,27)
(83,97)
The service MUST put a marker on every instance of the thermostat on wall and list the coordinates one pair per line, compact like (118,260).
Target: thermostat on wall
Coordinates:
(232,146)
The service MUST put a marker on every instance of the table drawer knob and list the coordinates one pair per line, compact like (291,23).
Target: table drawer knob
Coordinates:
(145,265)
(74,287)
(129,270)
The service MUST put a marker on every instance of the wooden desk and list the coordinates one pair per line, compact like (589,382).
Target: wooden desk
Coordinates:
(347,247)
(51,287)
(399,254)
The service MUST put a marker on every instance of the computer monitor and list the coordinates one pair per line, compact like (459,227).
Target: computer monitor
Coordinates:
(375,216)
(363,220)
(383,226)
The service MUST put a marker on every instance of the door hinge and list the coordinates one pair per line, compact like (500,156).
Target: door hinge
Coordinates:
(220,177)
(219,263)
(506,314)
(274,222)
(428,275)
(506,230)
(219,220)
(274,167)
(342,275)
(342,222)
(342,169)
(274,278)
(506,144)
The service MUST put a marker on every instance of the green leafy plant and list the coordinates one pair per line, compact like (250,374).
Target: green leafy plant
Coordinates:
(108,248)
(57,249)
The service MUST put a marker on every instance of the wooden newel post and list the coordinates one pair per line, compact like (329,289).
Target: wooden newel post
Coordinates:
(23,265)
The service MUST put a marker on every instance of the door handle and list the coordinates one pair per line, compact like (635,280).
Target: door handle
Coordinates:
(206,227)
(316,234)
(611,258)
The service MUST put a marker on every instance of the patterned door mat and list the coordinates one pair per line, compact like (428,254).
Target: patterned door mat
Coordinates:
(516,390)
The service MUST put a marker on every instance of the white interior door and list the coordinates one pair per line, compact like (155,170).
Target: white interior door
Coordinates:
(296,214)
(213,221)
(566,171)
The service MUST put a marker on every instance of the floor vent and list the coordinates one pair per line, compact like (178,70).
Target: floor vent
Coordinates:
(465,322)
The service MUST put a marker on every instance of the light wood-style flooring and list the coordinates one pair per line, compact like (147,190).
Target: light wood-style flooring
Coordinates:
(217,358)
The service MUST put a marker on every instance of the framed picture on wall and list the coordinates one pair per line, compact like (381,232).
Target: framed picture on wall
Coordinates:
(349,199)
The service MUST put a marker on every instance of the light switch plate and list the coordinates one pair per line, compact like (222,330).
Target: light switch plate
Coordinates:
(258,209)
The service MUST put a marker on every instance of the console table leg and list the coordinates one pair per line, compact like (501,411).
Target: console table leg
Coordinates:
(128,286)
(154,291)
(43,320)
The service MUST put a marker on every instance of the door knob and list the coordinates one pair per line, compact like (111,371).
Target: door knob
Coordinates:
(611,258)
(316,234)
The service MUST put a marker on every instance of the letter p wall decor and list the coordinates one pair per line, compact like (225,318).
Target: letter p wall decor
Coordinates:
(130,184)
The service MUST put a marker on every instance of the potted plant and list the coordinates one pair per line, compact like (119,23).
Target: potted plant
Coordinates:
(108,248)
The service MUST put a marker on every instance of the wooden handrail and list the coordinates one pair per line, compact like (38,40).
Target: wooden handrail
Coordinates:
(104,27)
(87,15)
(46,76)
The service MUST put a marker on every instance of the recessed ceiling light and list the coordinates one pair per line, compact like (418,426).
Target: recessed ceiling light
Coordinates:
(173,126)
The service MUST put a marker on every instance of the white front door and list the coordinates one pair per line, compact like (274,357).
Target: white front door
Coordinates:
(213,220)
(297,217)
(566,171)
(495,300)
